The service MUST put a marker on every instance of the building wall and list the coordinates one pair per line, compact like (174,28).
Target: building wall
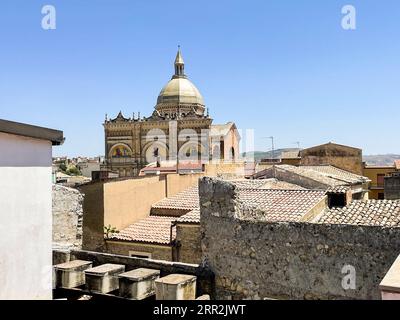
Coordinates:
(86,168)
(392,187)
(231,141)
(158,252)
(188,238)
(225,169)
(254,259)
(372,173)
(179,182)
(120,203)
(343,157)
(292,162)
(67,217)
(93,216)
(25,214)
(128,201)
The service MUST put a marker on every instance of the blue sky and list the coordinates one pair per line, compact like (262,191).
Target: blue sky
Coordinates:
(284,68)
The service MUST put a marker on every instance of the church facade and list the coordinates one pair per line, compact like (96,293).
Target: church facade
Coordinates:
(179,130)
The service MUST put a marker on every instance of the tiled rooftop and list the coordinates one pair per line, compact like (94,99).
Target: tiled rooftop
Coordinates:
(337,173)
(218,130)
(278,184)
(397,164)
(281,205)
(190,217)
(290,154)
(338,189)
(153,229)
(185,200)
(325,174)
(188,199)
(385,213)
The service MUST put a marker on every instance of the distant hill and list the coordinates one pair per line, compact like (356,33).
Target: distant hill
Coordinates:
(375,160)
(381,159)
(258,155)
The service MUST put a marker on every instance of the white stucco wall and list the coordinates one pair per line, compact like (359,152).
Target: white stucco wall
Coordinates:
(25,218)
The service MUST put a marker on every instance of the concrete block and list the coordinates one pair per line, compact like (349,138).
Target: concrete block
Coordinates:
(103,278)
(204,297)
(176,287)
(390,284)
(138,284)
(71,274)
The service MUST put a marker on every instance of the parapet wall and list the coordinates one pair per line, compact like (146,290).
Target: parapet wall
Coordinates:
(253,259)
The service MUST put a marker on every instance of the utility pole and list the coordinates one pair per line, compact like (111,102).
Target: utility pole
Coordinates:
(272,143)
(273,148)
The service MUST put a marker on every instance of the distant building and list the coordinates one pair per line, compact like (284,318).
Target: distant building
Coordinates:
(341,156)
(87,166)
(291,157)
(377,175)
(26,210)
(392,186)
(179,126)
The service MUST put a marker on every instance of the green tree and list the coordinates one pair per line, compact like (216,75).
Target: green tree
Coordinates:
(63,167)
(73,171)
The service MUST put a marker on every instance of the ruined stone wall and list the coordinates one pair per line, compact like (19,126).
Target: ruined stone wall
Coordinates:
(254,259)
(67,217)
(188,238)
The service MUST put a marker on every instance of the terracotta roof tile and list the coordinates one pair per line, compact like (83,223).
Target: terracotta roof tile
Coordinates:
(338,189)
(153,229)
(188,199)
(397,164)
(337,173)
(185,200)
(325,174)
(385,213)
(281,205)
(290,154)
(190,217)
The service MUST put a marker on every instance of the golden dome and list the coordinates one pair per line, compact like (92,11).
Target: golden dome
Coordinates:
(179,95)
(180,91)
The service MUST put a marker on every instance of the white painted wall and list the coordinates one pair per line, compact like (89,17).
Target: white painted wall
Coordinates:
(25,218)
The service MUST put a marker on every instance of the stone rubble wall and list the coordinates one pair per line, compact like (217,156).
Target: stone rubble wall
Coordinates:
(254,259)
(67,217)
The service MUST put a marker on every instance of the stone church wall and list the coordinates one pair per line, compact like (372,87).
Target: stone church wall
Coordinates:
(255,260)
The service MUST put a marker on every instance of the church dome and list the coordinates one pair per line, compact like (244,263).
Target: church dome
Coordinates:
(180,90)
(180,96)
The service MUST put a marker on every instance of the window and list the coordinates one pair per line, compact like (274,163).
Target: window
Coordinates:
(380,178)
(139,254)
